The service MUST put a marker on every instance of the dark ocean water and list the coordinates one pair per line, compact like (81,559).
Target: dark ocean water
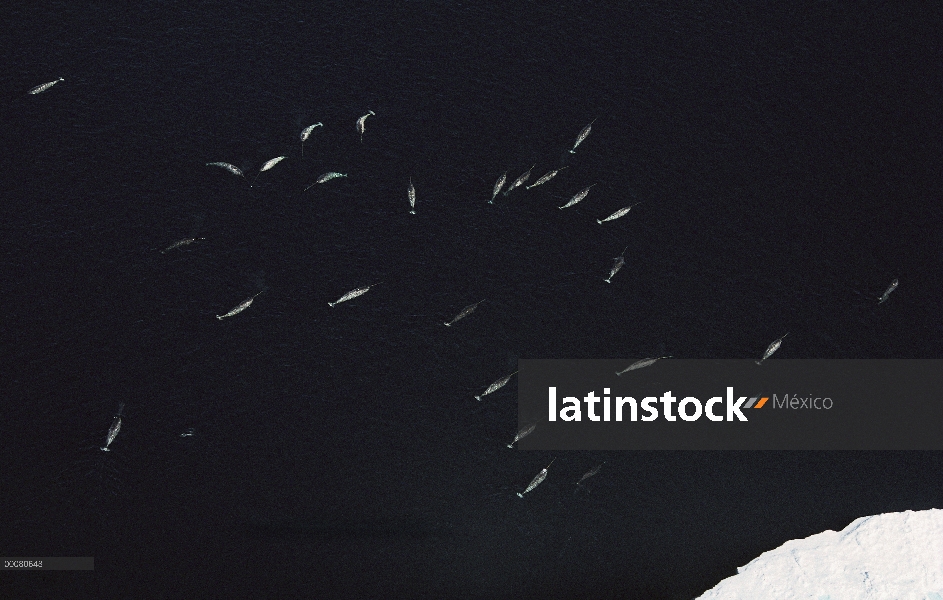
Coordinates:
(787,161)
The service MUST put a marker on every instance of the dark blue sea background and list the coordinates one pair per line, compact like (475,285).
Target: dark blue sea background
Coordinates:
(787,162)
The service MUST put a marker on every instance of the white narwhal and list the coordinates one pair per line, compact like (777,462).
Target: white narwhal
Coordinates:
(545,178)
(114,429)
(771,349)
(641,364)
(180,243)
(323,178)
(464,313)
(244,305)
(536,480)
(619,213)
(268,165)
(42,88)
(231,168)
(306,133)
(361,124)
(519,181)
(887,292)
(589,474)
(523,433)
(352,294)
(497,187)
(620,260)
(582,136)
(497,385)
(579,196)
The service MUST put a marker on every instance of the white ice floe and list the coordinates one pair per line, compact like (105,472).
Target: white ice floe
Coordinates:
(892,556)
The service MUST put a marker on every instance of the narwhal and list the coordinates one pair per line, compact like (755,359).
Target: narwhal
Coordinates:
(887,292)
(229,167)
(771,349)
(619,213)
(523,433)
(582,136)
(497,385)
(579,196)
(465,312)
(361,124)
(545,178)
(306,133)
(519,181)
(42,88)
(497,187)
(641,364)
(268,165)
(536,480)
(244,305)
(114,429)
(352,294)
(620,260)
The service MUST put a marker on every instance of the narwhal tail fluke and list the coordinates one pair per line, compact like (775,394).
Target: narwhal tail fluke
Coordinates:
(478,398)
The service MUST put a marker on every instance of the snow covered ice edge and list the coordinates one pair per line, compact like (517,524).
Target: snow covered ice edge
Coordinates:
(891,556)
